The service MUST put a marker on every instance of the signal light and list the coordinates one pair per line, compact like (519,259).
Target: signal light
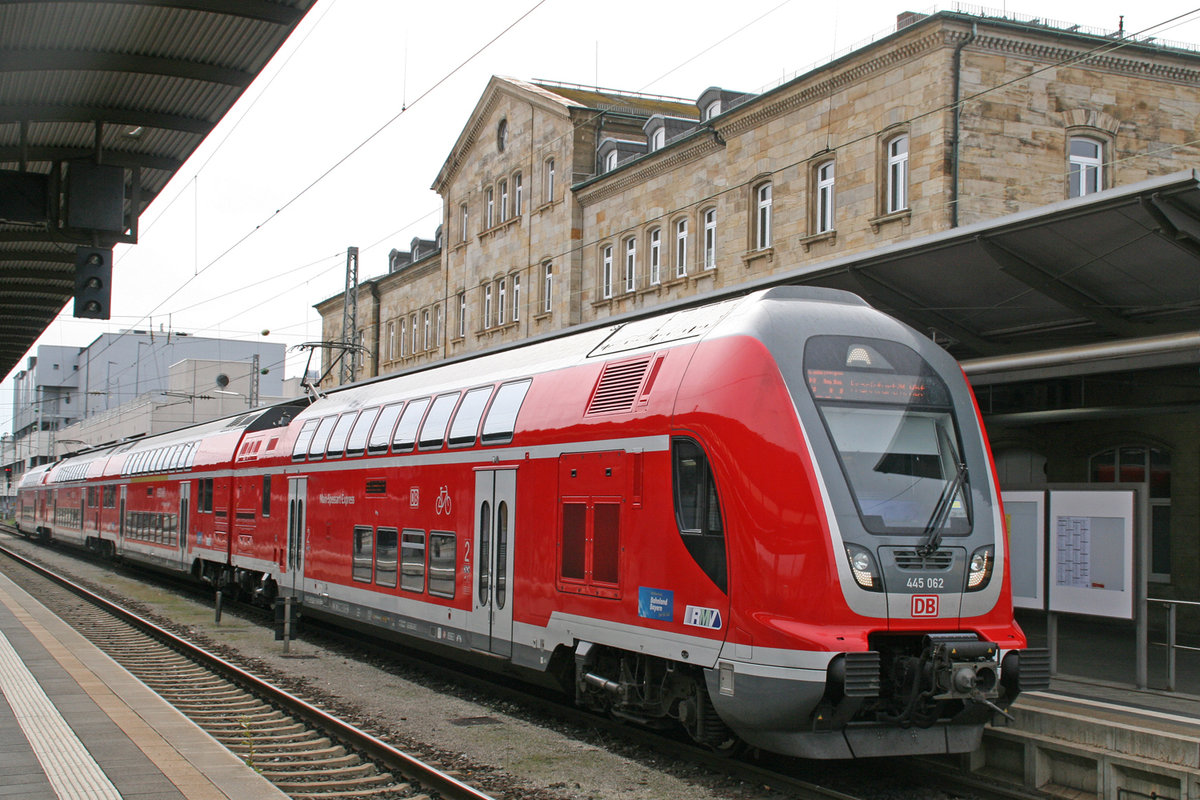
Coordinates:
(93,282)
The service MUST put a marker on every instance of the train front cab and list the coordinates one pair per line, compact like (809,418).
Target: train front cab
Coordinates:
(891,631)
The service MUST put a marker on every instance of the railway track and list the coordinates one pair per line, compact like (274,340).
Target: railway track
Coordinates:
(304,751)
(267,741)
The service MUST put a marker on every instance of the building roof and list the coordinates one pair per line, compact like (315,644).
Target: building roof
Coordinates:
(1114,266)
(139,82)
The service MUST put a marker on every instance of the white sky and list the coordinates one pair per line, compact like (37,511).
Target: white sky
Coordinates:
(205,266)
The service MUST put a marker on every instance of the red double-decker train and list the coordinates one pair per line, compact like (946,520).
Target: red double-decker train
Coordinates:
(772,518)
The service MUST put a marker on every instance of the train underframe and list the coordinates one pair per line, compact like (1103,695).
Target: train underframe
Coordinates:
(941,688)
(251,586)
(650,691)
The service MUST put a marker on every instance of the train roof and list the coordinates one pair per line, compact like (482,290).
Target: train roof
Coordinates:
(616,337)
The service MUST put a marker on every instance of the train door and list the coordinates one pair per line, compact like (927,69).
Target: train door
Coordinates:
(495,533)
(185,491)
(121,522)
(297,534)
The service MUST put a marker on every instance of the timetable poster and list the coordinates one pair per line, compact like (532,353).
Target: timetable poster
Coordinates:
(1073,542)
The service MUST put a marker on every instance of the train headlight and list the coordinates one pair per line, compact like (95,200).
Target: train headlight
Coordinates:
(979,571)
(862,567)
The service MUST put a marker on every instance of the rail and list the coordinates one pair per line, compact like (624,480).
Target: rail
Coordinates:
(1171,644)
(442,783)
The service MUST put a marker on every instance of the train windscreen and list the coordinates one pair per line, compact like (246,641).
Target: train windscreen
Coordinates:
(892,424)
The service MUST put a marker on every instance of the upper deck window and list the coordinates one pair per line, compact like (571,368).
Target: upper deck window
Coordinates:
(381,433)
(357,441)
(466,419)
(321,437)
(433,430)
(341,432)
(502,416)
(406,431)
(304,438)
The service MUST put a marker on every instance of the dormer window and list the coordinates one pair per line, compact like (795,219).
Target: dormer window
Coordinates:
(712,109)
(610,161)
(658,139)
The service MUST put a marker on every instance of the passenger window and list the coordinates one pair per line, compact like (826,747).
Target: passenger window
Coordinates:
(697,509)
(412,561)
(304,438)
(442,560)
(606,542)
(406,431)
(385,557)
(574,540)
(364,552)
(357,442)
(466,419)
(381,434)
(341,431)
(321,437)
(433,430)
(502,416)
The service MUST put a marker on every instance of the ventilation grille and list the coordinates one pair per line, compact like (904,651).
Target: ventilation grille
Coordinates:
(618,387)
(912,560)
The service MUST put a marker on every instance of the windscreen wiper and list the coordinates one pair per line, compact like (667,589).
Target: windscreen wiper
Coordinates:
(941,511)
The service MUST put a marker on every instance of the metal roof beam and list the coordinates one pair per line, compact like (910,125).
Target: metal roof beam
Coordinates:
(1044,283)
(56,60)
(115,116)
(120,158)
(1175,225)
(902,304)
(247,9)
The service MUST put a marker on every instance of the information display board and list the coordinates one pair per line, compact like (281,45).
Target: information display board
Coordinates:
(1091,552)
(1025,520)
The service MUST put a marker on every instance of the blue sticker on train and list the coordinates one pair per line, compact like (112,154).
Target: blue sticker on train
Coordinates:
(656,604)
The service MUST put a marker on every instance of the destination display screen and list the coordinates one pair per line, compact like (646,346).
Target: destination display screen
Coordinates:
(868,387)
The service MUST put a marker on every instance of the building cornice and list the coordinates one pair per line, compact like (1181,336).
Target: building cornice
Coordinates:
(1111,60)
(807,89)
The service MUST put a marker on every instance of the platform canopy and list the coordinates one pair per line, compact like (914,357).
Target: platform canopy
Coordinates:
(1085,276)
(100,105)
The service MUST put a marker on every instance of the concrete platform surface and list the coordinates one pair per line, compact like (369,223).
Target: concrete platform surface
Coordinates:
(75,724)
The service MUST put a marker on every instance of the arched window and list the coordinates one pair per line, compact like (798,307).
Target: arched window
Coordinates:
(1151,466)
(1085,166)
(710,238)
(823,197)
(630,263)
(762,219)
(897,174)
(606,271)
(655,256)
(681,237)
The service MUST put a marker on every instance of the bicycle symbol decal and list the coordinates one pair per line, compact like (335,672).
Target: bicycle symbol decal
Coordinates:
(442,504)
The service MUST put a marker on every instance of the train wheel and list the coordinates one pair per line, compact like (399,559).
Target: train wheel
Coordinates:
(702,722)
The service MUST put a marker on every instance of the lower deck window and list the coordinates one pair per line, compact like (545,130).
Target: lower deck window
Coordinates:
(412,561)
(364,552)
(442,561)
(385,557)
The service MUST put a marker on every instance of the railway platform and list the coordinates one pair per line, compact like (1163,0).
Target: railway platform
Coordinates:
(75,724)
(1094,734)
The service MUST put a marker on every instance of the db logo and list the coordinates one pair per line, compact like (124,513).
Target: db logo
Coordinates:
(925,605)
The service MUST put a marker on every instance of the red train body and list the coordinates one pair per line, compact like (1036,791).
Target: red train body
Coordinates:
(772,519)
